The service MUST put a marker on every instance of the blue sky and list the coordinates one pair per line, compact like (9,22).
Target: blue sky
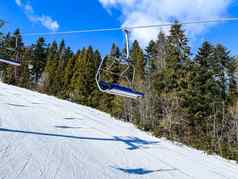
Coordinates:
(45,16)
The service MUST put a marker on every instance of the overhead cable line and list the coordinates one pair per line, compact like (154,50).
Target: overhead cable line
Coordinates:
(206,21)
(185,23)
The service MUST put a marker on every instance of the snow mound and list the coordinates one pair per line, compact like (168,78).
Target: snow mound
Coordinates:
(44,137)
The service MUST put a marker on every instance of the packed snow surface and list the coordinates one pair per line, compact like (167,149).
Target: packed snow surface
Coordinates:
(44,137)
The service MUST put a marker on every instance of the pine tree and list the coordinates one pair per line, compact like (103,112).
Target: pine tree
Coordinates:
(171,83)
(39,59)
(111,72)
(160,62)
(115,51)
(64,55)
(222,69)
(199,96)
(96,95)
(177,55)
(83,81)
(111,66)
(25,78)
(50,73)
(135,107)
(150,58)
(233,89)
(155,58)
(138,59)
(69,72)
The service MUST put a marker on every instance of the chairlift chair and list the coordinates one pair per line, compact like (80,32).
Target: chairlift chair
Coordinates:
(14,62)
(114,88)
(10,62)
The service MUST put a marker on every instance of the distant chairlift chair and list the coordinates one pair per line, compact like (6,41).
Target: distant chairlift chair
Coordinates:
(114,88)
(14,62)
(10,62)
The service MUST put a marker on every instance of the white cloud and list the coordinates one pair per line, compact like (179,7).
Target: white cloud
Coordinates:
(108,3)
(144,12)
(18,2)
(28,8)
(46,21)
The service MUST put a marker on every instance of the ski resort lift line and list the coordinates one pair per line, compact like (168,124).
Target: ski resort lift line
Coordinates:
(114,88)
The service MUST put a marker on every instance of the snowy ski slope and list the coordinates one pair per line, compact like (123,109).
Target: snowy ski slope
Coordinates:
(42,137)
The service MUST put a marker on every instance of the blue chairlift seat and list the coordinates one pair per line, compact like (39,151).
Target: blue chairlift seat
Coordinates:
(119,90)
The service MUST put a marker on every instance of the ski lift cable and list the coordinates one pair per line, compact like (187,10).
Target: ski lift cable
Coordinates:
(123,28)
(207,21)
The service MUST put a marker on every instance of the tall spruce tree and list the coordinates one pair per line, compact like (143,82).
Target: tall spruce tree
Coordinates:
(39,59)
(96,95)
(51,84)
(177,55)
(171,83)
(135,107)
(64,55)
(137,56)
(223,69)
(69,72)
(203,87)
(155,58)
(83,81)
(150,58)
(25,80)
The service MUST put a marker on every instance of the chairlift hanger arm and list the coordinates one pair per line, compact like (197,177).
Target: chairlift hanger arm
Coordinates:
(126,31)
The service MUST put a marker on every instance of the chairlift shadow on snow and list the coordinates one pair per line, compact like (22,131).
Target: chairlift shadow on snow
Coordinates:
(142,171)
(133,143)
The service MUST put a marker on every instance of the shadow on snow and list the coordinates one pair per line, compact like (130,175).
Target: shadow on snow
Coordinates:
(72,118)
(67,127)
(141,171)
(17,105)
(133,143)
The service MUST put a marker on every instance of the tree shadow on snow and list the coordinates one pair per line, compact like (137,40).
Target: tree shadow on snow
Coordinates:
(17,105)
(36,103)
(67,127)
(141,171)
(133,143)
(72,118)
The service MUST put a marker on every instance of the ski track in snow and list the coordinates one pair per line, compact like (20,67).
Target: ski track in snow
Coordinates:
(42,137)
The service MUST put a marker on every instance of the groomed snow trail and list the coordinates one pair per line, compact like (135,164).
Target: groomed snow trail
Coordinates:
(42,137)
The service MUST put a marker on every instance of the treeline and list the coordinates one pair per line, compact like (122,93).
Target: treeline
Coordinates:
(189,99)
